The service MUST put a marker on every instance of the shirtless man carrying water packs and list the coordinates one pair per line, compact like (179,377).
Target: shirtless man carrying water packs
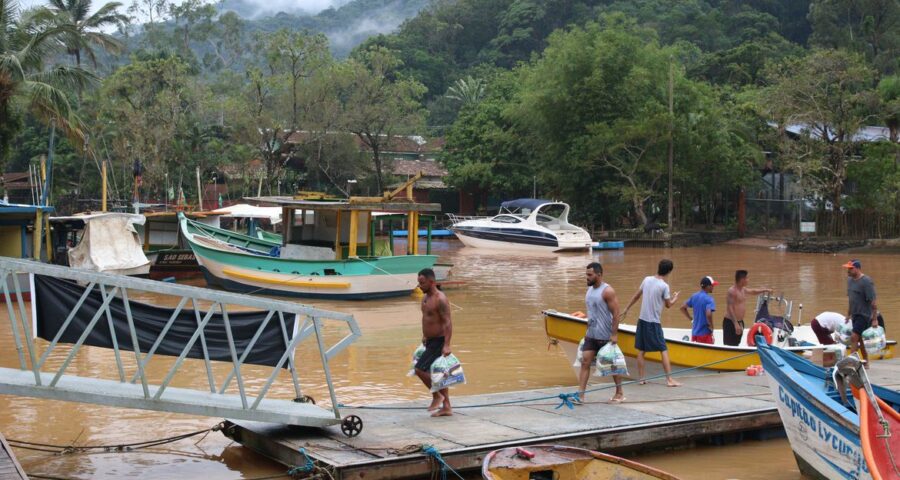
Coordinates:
(436,332)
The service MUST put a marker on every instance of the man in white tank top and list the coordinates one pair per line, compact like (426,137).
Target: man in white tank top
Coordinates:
(603,326)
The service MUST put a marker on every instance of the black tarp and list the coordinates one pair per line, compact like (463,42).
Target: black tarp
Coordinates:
(54,299)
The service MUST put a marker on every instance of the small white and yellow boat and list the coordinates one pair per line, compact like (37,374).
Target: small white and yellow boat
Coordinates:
(563,463)
(567,330)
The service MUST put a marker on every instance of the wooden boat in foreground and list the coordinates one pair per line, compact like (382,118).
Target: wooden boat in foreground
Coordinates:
(823,428)
(568,330)
(552,462)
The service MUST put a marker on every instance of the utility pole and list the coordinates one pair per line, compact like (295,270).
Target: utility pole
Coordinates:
(671,139)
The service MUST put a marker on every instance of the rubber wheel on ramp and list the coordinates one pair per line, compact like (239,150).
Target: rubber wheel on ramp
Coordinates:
(351,425)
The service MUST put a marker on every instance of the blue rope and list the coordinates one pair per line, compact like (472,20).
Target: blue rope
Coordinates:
(308,467)
(432,452)
(566,400)
(550,397)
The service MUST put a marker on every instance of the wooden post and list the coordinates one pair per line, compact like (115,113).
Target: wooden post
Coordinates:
(411,233)
(354,231)
(147,234)
(49,243)
(103,185)
(671,144)
(371,251)
(391,235)
(428,237)
(200,191)
(337,236)
(36,240)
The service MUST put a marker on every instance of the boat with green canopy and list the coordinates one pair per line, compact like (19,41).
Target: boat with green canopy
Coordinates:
(328,250)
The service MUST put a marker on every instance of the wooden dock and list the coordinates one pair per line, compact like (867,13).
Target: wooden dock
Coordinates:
(9,466)
(713,405)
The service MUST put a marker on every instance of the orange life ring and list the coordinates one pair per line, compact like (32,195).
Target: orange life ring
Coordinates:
(759,328)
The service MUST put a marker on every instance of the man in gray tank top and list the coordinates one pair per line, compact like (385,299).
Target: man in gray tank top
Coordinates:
(603,325)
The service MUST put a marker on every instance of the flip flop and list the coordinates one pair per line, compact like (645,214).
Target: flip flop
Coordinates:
(617,400)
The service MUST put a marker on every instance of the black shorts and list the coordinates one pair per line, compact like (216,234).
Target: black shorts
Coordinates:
(433,350)
(649,337)
(729,335)
(861,323)
(593,344)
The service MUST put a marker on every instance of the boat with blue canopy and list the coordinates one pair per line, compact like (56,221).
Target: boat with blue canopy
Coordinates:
(526,224)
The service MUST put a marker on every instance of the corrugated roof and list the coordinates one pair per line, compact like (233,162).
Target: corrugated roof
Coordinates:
(431,168)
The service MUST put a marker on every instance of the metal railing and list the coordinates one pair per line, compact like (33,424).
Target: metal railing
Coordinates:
(55,383)
(454,218)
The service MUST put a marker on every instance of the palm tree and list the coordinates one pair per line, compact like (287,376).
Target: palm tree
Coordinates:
(26,85)
(86,29)
(466,91)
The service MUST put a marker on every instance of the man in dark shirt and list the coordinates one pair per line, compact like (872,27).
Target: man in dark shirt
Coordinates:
(862,311)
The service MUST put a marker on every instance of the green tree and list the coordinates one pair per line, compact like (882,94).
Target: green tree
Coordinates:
(193,21)
(594,110)
(829,95)
(378,104)
(156,106)
(870,27)
(281,90)
(484,151)
(27,85)
(86,28)
(466,91)
(889,91)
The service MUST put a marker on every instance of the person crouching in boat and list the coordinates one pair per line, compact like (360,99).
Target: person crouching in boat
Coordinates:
(703,306)
(825,324)
(603,325)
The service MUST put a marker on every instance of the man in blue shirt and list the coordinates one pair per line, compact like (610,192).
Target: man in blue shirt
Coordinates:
(703,306)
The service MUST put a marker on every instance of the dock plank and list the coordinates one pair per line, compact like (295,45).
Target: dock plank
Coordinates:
(706,405)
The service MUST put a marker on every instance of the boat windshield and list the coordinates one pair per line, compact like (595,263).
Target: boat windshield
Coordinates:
(552,213)
(507,219)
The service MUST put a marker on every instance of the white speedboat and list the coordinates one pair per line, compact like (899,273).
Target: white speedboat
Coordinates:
(523,224)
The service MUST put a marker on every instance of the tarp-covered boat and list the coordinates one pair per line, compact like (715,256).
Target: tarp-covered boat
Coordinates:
(108,242)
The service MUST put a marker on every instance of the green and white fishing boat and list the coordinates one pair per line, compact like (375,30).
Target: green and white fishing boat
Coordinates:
(328,250)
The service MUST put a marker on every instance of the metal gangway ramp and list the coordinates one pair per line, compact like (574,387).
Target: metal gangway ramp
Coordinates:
(135,387)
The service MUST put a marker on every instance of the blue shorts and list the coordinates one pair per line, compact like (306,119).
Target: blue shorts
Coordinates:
(649,337)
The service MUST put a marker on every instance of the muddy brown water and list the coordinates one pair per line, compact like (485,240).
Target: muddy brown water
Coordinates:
(498,334)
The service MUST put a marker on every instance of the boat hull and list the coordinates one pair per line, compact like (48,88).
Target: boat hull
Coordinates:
(351,279)
(565,463)
(824,440)
(508,242)
(569,330)
(175,263)
(360,287)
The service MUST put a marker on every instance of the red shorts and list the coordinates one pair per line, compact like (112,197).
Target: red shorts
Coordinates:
(822,333)
(703,339)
